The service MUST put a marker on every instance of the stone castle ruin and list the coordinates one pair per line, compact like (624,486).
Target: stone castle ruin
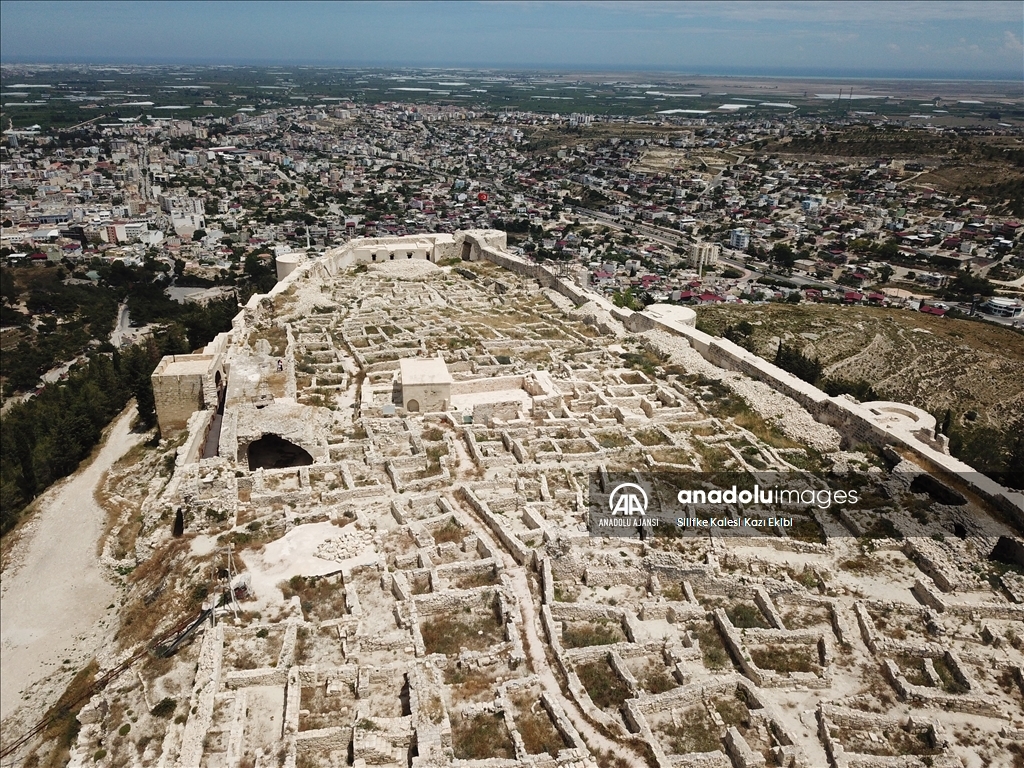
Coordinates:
(396,445)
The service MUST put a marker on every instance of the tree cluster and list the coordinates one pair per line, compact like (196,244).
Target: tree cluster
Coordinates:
(45,438)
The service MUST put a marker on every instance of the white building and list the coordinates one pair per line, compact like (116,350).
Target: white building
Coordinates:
(431,247)
(181,204)
(185,224)
(124,231)
(947,226)
(739,239)
(1000,306)
(426,384)
(704,254)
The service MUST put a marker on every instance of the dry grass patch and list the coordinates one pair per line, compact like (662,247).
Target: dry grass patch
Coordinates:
(745,615)
(451,634)
(734,710)
(583,634)
(159,594)
(451,531)
(481,736)
(862,564)
(695,732)
(275,335)
(753,423)
(420,584)
(324,709)
(566,593)
(477,579)
(433,434)
(539,734)
(321,598)
(650,437)
(121,492)
(947,680)
(606,689)
(807,529)
(806,616)
(472,683)
(712,648)
(912,668)
(63,727)
(655,678)
(612,439)
(786,659)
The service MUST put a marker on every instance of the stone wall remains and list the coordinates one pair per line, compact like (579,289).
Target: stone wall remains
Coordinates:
(855,422)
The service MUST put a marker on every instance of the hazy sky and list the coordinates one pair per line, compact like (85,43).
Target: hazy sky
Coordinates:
(945,39)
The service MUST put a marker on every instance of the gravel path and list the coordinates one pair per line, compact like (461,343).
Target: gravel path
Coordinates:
(54,597)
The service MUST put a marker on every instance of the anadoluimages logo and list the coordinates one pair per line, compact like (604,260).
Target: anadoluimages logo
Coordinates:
(628,499)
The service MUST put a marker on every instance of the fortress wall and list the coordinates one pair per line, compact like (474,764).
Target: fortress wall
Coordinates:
(183,395)
(199,430)
(184,384)
(514,264)
(177,398)
(853,421)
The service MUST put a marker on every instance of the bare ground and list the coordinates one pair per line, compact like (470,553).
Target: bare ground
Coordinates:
(55,602)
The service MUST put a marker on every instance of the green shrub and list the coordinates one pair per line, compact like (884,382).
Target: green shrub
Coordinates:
(165,708)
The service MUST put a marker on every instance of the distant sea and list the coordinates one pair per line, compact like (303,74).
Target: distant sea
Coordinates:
(817,73)
(779,73)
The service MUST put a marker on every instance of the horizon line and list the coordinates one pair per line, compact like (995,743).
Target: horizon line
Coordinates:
(768,73)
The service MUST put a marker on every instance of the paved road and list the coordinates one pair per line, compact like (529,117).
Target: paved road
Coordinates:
(121,326)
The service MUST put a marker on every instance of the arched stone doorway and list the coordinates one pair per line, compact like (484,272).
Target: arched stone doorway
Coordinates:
(414,405)
(274,452)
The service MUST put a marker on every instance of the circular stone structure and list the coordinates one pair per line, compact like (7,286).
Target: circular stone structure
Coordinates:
(286,264)
(909,416)
(903,419)
(672,313)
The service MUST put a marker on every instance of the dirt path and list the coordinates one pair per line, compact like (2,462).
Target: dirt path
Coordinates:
(54,597)
(534,646)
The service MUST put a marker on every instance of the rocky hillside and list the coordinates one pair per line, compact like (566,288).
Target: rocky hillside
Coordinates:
(969,374)
(931,362)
